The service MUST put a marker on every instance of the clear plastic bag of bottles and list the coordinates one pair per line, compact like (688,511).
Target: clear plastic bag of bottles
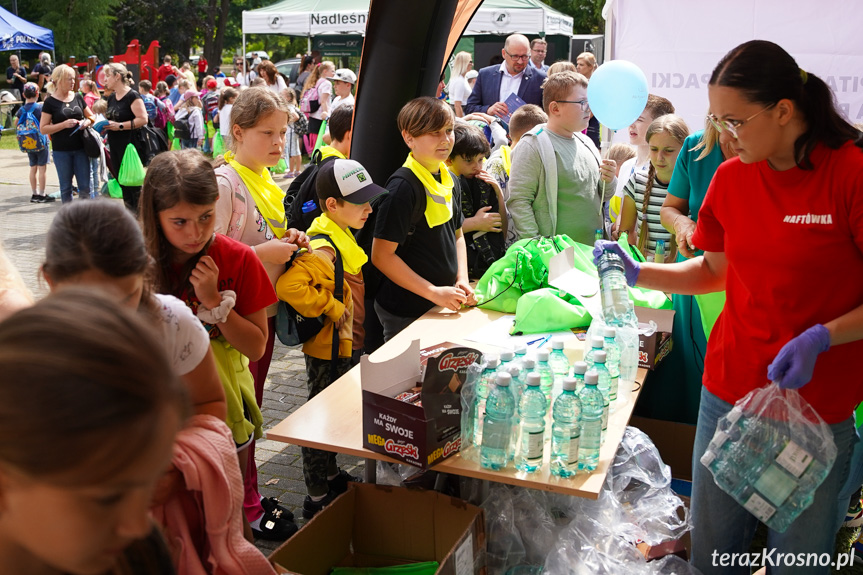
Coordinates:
(469,450)
(770,453)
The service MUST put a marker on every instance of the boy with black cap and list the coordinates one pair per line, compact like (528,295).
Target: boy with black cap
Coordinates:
(344,190)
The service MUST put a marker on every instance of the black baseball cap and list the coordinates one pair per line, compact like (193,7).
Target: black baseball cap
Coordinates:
(346,180)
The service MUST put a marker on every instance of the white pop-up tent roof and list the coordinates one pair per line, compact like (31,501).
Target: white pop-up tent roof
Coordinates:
(316,17)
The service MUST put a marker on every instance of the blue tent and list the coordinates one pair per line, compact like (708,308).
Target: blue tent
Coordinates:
(19,34)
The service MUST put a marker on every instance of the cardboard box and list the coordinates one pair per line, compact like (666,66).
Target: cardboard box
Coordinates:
(673,440)
(654,347)
(377,526)
(419,435)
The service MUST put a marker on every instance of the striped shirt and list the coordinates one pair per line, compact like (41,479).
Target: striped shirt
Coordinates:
(635,189)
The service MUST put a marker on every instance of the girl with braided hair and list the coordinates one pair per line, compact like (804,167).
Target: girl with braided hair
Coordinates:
(645,192)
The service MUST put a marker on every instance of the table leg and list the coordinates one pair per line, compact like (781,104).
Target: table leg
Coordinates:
(370,471)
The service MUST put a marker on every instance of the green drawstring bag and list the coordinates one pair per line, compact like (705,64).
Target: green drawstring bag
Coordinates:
(710,305)
(548,309)
(218,145)
(211,129)
(114,189)
(424,568)
(280,168)
(320,140)
(169,130)
(131,169)
(175,144)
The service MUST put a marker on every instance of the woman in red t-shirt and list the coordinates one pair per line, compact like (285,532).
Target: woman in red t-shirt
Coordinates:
(800,169)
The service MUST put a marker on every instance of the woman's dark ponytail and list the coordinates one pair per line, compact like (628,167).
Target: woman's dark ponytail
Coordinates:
(766,73)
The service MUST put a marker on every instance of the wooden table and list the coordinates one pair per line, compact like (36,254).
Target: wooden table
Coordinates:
(332,421)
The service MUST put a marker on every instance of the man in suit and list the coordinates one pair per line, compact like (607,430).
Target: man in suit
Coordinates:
(495,83)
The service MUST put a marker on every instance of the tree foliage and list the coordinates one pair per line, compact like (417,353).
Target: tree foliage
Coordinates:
(586,14)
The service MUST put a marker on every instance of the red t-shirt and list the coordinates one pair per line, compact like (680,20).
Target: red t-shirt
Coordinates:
(240,270)
(164,71)
(202,65)
(793,240)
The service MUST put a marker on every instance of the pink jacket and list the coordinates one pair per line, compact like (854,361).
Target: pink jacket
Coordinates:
(203,524)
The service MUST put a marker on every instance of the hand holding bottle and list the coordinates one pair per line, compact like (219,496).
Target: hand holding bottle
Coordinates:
(793,366)
(632,267)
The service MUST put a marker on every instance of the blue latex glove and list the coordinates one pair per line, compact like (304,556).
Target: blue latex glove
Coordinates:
(632,268)
(793,366)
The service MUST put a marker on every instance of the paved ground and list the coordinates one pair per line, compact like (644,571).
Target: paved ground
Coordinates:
(22,232)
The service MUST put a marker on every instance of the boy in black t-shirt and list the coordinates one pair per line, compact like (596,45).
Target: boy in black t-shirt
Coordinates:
(482,201)
(423,259)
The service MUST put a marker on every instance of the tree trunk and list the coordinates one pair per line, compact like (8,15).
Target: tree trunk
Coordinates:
(215,56)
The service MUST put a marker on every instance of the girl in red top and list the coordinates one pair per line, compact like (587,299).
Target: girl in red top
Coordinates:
(800,169)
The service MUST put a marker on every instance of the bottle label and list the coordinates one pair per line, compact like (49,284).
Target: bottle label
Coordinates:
(605,417)
(573,450)
(794,459)
(534,444)
(757,506)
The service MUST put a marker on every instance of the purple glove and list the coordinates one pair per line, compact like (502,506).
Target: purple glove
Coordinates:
(793,366)
(632,268)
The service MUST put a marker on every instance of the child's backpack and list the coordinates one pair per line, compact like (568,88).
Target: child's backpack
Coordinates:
(210,102)
(161,119)
(301,126)
(182,129)
(150,106)
(30,139)
(311,102)
(169,109)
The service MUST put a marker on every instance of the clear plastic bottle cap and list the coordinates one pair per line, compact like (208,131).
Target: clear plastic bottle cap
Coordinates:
(503,379)
(609,331)
(542,355)
(528,363)
(519,349)
(600,356)
(596,341)
(556,343)
(569,383)
(533,379)
(579,367)
(591,377)
(492,360)
(507,355)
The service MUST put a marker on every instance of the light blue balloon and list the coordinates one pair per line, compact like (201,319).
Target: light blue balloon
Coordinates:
(617,93)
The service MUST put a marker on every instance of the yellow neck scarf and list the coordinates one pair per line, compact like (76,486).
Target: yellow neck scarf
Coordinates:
(269,198)
(438,194)
(353,256)
(506,155)
(328,151)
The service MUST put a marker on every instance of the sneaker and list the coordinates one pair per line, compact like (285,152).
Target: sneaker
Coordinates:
(47,199)
(311,508)
(339,484)
(271,504)
(35,199)
(275,526)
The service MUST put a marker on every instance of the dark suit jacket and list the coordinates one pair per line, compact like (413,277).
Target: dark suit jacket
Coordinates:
(486,91)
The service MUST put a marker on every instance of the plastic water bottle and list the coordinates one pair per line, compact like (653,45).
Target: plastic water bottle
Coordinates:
(612,361)
(520,351)
(659,254)
(516,388)
(506,357)
(617,308)
(531,410)
(566,430)
(497,427)
(596,343)
(591,422)
(558,362)
(579,368)
(543,368)
(486,382)
(599,358)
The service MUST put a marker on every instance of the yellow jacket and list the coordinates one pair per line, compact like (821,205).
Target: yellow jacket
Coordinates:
(308,286)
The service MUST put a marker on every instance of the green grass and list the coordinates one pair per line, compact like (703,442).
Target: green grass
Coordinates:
(8,141)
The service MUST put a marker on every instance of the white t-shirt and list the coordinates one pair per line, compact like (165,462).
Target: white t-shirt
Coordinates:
(339,101)
(459,89)
(225,120)
(278,86)
(186,340)
(324,87)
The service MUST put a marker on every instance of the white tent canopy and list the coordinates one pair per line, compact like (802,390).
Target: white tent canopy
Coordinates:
(316,17)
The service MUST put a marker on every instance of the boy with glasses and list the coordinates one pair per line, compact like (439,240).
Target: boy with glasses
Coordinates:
(558,181)
(496,83)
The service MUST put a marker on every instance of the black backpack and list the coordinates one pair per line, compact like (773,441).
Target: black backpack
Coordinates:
(182,130)
(293,328)
(301,197)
